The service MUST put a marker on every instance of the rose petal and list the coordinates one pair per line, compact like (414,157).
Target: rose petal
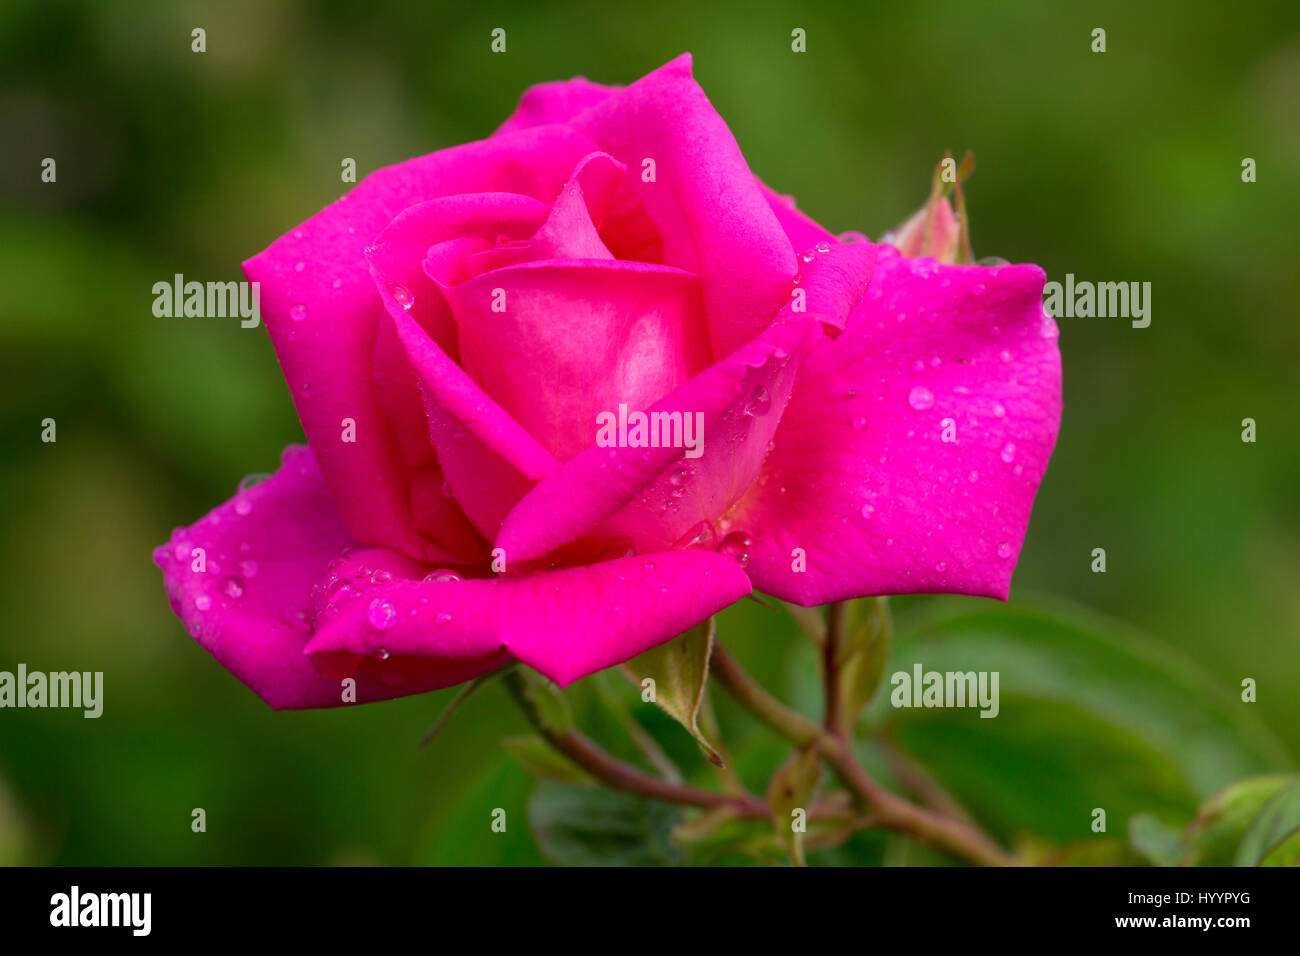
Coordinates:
(264,551)
(566,624)
(321,309)
(860,478)
(576,338)
(704,200)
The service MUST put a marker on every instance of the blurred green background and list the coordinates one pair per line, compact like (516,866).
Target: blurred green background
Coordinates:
(1117,166)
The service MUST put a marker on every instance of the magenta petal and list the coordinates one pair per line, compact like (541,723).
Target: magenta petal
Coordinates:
(654,495)
(321,309)
(489,459)
(705,201)
(577,338)
(555,102)
(861,479)
(803,232)
(264,551)
(566,624)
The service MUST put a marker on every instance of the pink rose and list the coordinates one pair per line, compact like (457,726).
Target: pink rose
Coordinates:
(452,331)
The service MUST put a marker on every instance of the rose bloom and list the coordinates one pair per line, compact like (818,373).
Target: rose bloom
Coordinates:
(874,421)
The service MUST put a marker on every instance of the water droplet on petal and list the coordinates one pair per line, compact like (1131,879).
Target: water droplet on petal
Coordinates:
(248,568)
(401,295)
(941,565)
(304,389)
(443,575)
(203,602)
(973,477)
(823,247)
(299,266)
(701,535)
(1004,550)
(298,312)
(859,423)
(443,617)
(232,587)
(868,511)
(295,617)
(1008,452)
(248,481)
(921,398)
(382,654)
(759,402)
(382,614)
(737,545)
(242,506)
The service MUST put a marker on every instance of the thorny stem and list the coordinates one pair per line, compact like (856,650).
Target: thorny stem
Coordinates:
(959,837)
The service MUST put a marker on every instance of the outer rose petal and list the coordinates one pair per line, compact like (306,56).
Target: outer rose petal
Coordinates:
(860,478)
(566,624)
(271,544)
(321,309)
(705,201)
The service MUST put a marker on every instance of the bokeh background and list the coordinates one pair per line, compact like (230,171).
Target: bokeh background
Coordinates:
(1117,166)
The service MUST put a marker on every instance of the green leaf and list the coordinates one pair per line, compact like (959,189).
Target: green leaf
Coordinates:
(1091,715)
(578,825)
(1222,822)
(1159,843)
(542,760)
(1273,837)
(862,655)
(789,794)
(680,671)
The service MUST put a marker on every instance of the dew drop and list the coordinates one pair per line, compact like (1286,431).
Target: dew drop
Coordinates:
(299,266)
(999,410)
(382,654)
(295,617)
(977,289)
(823,247)
(248,481)
(382,614)
(304,389)
(298,312)
(401,295)
(759,402)
(701,535)
(443,575)
(868,511)
(942,565)
(859,423)
(232,587)
(921,398)
(443,617)
(1008,452)
(203,602)
(973,477)
(242,506)
(1004,550)
(737,545)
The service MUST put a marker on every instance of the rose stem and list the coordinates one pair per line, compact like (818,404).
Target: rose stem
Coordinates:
(891,810)
(621,776)
(831,666)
